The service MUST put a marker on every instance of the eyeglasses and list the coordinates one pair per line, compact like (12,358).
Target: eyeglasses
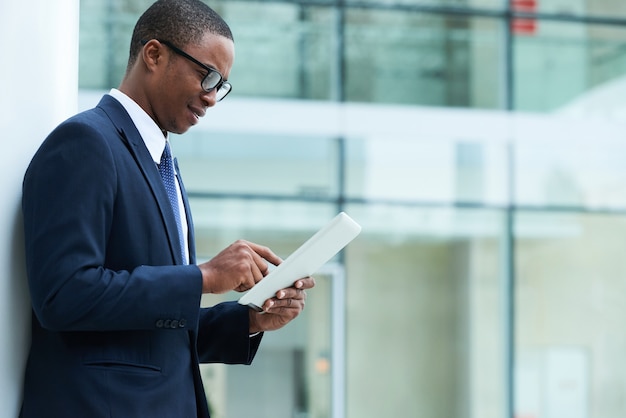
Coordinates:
(212,80)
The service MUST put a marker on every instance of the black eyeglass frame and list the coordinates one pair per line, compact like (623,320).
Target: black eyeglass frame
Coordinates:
(219,86)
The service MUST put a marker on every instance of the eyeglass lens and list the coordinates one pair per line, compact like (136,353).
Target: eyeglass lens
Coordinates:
(213,80)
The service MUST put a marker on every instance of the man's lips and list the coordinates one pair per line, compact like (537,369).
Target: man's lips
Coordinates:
(199,112)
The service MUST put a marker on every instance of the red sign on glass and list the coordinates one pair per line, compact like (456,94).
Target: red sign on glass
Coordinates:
(524,26)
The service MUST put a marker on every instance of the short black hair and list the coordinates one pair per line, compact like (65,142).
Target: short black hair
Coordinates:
(180,22)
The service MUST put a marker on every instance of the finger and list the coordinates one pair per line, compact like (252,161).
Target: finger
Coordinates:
(289,307)
(305,283)
(259,266)
(265,253)
(291,293)
(257,273)
(299,294)
(269,304)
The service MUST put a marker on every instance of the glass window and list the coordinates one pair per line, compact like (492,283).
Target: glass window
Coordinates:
(569,315)
(281,225)
(105,31)
(425,59)
(271,164)
(498,4)
(292,374)
(571,162)
(424,313)
(282,49)
(611,8)
(569,67)
(445,160)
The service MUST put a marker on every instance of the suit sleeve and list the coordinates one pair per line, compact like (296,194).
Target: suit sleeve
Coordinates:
(227,341)
(92,263)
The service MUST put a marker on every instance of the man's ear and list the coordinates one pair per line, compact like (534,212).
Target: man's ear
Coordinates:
(152,54)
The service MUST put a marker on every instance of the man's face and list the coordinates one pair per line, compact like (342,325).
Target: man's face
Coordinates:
(178,99)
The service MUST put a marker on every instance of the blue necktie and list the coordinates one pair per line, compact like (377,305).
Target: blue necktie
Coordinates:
(166,169)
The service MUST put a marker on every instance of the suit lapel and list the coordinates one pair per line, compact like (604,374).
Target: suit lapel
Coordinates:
(136,146)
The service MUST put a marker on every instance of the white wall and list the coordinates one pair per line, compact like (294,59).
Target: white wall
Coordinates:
(39,77)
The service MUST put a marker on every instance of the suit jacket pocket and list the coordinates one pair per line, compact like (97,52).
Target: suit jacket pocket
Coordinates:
(116,366)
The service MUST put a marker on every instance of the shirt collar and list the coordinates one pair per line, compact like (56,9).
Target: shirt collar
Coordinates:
(150,132)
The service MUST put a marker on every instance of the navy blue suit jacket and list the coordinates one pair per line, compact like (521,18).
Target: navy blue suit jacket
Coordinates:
(117,329)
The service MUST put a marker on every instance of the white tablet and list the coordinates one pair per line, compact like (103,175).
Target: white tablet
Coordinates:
(305,261)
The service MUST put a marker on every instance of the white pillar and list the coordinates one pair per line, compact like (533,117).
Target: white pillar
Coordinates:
(39,77)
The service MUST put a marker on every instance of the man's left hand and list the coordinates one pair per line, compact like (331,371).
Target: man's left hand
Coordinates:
(281,309)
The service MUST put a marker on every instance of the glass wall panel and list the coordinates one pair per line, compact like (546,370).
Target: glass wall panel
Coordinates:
(105,31)
(437,169)
(570,342)
(569,67)
(424,314)
(569,162)
(283,49)
(227,162)
(425,59)
(606,7)
(611,8)
(282,226)
(291,374)
(496,4)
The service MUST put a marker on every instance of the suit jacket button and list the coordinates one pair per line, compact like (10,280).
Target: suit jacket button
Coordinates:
(182,323)
(167,323)
(159,323)
(174,324)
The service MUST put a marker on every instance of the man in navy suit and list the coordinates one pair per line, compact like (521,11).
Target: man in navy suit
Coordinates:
(117,327)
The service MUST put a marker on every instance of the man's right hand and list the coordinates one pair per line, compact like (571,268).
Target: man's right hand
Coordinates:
(238,267)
